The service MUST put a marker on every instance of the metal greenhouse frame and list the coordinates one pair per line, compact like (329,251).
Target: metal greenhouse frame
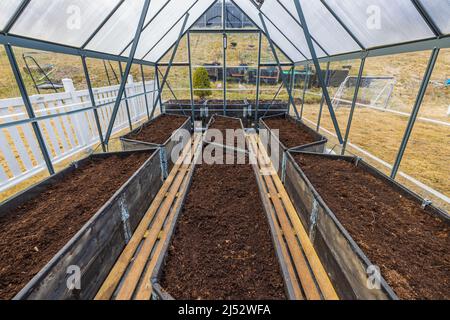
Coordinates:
(286,24)
(224,149)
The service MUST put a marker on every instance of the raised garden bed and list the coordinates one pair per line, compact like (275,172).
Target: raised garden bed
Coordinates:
(242,109)
(224,123)
(235,108)
(220,244)
(158,133)
(184,108)
(82,216)
(269,108)
(359,217)
(292,135)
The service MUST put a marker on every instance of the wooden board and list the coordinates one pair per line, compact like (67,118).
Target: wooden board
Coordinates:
(312,278)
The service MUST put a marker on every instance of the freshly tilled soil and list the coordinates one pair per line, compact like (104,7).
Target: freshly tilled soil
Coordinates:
(290,134)
(160,130)
(222,246)
(34,232)
(411,247)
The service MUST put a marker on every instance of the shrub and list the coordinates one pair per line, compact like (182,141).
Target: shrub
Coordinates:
(202,83)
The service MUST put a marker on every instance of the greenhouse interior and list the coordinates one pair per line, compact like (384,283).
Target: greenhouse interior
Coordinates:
(224,150)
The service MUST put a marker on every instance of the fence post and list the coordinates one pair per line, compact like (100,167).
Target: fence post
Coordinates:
(29,108)
(133,101)
(80,123)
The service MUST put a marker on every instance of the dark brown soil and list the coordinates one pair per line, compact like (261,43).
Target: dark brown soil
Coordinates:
(291,135)
(183,102)
(160,130)
(229,102)
(224,123)
(222,247)
(276,103)
(34,232)
(411,247)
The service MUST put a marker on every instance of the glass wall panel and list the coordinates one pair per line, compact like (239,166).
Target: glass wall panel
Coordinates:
(387,96)
(427,156)
(341,85)
(235,18)
(177,86)
(242,64)
(43,72)
(207,52)
(212,19)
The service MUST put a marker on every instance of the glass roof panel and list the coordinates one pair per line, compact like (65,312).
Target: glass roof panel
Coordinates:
(439,10)
(320,23)
(163,31)
(381,22)
(289,27)
(68,22)
(120,29)
(276,36)
(212,19)
(7,10)
(235,18)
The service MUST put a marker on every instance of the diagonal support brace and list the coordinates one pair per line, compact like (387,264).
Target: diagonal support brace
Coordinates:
(172,58)
(318,70)
(283,78)
(127,71)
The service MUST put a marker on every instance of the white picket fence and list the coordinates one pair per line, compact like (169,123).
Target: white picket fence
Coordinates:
(65,135)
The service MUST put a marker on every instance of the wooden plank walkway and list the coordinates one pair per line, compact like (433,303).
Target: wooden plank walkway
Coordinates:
(130,277)
(302,261)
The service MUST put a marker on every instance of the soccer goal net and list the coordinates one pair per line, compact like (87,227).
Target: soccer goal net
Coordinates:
(375,92)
